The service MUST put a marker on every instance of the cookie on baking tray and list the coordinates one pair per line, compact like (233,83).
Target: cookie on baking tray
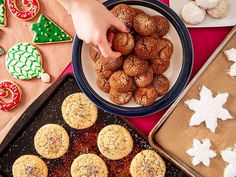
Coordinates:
(89,165)
(147,163)
(29,165)
(78,111)
(51,141)
(115,142)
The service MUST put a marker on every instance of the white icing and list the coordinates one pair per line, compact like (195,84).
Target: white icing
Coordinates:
(231,56)
(208,109)
(229,156)
(201,152)
(45,77)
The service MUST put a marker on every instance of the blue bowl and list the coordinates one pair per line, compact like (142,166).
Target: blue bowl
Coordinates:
(186,55)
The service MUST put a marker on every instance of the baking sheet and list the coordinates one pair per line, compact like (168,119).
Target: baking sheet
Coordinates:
(47,109)
(175,143)
(229,20)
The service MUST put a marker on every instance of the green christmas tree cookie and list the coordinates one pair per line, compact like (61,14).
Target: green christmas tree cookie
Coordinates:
(23,61)
(3,19)
(46,31)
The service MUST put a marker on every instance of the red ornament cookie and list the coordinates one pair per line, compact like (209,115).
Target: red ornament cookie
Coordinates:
(30,13)
(6,88)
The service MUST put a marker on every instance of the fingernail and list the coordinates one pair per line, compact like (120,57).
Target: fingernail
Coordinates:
(127,29)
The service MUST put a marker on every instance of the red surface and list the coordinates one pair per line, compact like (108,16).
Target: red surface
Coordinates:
(205,41)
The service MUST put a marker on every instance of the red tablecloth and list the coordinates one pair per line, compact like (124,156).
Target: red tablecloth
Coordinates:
(205,41)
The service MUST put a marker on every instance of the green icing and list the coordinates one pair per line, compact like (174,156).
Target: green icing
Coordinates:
(2,13)
(23,61)
(1,51)
(46,31)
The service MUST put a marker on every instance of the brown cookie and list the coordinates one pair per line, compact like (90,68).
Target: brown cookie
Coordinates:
(110,63)
(144,24)
(134,66)
(136,11)
(162,24)
(94,54)
(120,98)
(161,83)
(146,48)
(124,13)
(121,82)
(160,66)
(123,43)
(102,72)
(146,79)
(103,84)
(145,96)
(166,48)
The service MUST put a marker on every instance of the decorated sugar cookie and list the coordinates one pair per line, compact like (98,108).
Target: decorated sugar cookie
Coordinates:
(3,19)
(208,109)
(201,152)
(9,88)
(229,156)
(31,12)
(47,31)
(231,56)
(23,61)
(2,51)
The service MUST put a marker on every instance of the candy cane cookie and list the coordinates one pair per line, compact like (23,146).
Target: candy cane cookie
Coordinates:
(6,88)
(30,13)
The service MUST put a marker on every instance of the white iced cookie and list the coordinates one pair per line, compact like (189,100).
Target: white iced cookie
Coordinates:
(208,109)
(207,4)
(231,56)
(192,14)
(221,10)
(201,152)
(229,156)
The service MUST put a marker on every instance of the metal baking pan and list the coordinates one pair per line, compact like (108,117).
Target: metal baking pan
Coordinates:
(47,109)
(151,138)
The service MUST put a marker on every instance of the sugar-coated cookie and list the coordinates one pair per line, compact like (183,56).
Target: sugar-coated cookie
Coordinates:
(115,142)
(29,166)
(147,163)
(31,12)
(24,61)
(15,90)
(51,141)
(192,14)
(89,165)
(221,10)
(145,96)
(120,98)
(207,4)
(78,111)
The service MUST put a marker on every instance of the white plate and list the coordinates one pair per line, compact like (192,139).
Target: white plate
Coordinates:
(172,73)
(229,20)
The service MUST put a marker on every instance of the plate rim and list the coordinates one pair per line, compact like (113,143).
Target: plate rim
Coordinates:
(163,102)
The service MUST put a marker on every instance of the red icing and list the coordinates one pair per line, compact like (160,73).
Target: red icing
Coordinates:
(24,15)
(5,87)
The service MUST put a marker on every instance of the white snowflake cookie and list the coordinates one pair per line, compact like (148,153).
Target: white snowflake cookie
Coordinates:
(229,156)
(208,109)
(231,56)
(201,152)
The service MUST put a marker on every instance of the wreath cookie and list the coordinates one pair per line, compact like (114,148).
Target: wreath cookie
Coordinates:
(3,19)
(23,61)
(47,31)
(9,88)
(30,13)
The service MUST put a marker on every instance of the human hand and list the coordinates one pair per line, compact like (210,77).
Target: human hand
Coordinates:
(91,21)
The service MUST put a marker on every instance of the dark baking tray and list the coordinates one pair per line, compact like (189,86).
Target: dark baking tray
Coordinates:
(47,109)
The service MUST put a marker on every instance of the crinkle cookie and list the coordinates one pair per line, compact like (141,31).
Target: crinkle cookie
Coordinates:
(207,4)
(221,10)
(147,163)
(51,141)
(78,111)
(29,166)
(192,14)
(145,96)
(120,98)
(89,165)
(115,142)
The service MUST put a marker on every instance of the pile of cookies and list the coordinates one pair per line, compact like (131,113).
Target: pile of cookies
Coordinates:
(114,142)
(194,12)
(146,55)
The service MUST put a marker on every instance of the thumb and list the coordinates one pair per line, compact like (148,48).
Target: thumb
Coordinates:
(120,26)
